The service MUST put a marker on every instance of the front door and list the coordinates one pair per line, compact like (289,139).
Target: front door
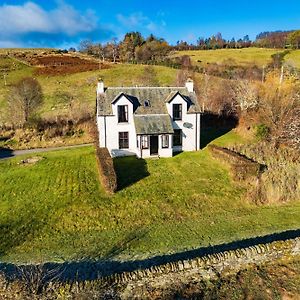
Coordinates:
(153,144)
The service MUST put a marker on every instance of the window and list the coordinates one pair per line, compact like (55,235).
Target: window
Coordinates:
(145,144)
(123,140)
(165,141)
(177,137)
(177,111)
(123,113)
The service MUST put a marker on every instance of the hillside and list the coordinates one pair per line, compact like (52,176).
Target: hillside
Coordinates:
(66,77)
(243,57)
(60,88)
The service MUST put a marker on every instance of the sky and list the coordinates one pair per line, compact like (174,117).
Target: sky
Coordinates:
(64,23)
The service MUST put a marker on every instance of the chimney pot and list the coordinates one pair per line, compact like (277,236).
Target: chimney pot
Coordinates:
(100,87)
(190,85)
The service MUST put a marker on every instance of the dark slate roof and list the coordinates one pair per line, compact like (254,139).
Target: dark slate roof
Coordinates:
(153,124)
(156,96)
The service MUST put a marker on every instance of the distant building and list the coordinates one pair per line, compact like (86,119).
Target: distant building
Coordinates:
(148,121)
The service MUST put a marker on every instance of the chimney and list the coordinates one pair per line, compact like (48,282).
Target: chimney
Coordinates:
(100,87)
(190,85)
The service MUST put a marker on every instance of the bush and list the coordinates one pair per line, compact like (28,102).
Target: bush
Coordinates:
(262,131)
(280,181)
(107,172)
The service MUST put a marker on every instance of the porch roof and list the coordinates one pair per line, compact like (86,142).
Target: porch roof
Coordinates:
(153,124)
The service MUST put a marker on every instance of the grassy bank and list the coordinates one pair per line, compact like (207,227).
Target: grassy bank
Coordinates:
(246,56)
(56,209)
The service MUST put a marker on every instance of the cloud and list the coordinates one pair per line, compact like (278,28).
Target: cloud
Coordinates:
(32,25)
(138,21)
(132,21)
(152,27)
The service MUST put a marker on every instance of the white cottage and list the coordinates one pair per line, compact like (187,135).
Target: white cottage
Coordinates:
(148,121)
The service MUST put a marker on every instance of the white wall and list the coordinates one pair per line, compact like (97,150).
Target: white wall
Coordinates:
(162,152)
(165,152)
(188,134)
(113,128)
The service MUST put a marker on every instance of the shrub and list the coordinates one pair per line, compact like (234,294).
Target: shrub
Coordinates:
(262,131)
(107,172)
(280,182)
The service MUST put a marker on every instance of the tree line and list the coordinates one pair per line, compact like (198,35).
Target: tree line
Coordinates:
(133,48)
(276,39)
(136,48)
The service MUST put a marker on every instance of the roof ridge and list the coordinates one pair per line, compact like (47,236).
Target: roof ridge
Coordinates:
(146,115)
(146,87)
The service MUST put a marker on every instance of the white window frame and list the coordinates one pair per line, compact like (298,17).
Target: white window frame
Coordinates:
(126,116)
(122,140)
(165,141)
(145,142)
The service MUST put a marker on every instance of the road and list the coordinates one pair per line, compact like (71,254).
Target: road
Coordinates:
(6,153)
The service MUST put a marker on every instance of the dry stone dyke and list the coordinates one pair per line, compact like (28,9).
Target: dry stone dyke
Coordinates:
(212,263)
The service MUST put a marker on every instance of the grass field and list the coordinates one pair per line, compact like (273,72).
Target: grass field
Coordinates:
(293,58)
(244,57)
(80,86)
(56,210)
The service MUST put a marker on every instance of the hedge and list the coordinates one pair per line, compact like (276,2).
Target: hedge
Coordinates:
(107,172)
(242,167)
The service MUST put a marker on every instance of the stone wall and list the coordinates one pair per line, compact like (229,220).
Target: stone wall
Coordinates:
(242,168)
(155,282)
(227,260)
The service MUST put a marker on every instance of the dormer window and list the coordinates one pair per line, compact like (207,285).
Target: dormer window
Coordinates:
(146,103)
(123,113)
(177,112)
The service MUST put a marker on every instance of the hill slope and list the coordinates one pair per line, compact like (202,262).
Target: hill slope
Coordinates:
(60,90)
(243,57)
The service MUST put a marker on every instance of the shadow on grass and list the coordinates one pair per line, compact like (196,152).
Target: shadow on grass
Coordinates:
(130,170)
(92,270)
(15,232)
(177,153)
(214,126)
(6,153)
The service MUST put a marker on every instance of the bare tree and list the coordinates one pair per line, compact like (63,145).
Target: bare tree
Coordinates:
(24,99)
(113,48)
(86,46)
(221,98)
(279,102)
(101,51)
(246,94)
(185,71)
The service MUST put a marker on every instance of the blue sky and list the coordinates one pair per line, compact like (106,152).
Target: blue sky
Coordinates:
(58,23)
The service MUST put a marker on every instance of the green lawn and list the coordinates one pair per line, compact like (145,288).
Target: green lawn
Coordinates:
(56,210)
(259,56)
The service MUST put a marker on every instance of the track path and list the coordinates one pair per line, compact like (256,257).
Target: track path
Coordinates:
(6,153)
